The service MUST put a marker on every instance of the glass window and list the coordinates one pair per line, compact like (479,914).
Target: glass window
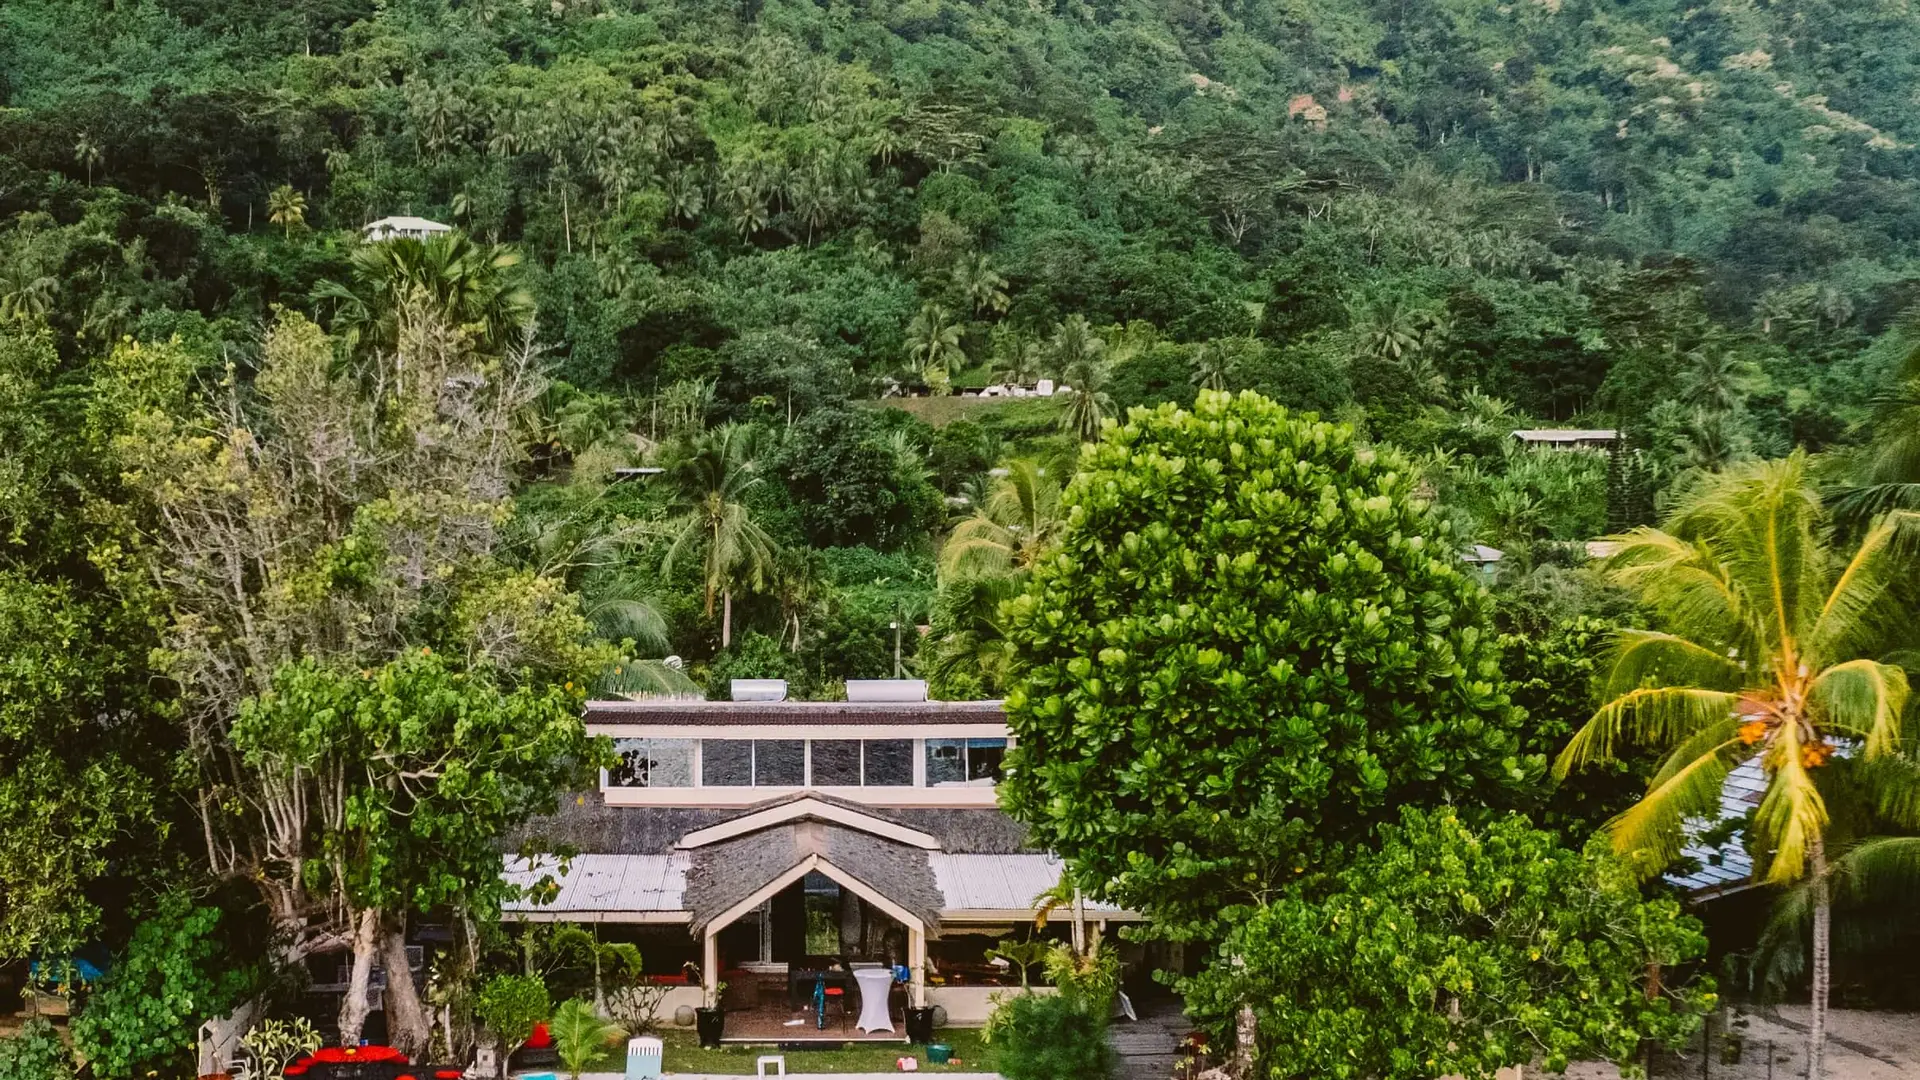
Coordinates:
(726,762)
(655,763)
(836,762)
(965,762)
(889,763)
(984,758)
(946,762)
(779,762)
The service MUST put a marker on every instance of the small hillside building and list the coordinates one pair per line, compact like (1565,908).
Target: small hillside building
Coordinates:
(1568,438)
(412,228)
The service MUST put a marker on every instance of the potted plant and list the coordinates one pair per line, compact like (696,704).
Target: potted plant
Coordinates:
(710,1020)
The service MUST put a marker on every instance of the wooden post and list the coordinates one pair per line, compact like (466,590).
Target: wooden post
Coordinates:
(917,964)
(710,968)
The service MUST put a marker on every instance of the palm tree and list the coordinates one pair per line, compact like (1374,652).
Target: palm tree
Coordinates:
(1211,366)
(1767,655)
(1074,342)
(933,345)
(980,285)
(713,477)
(26,293)
(1087,399)
(1886,473)
(1022,361)
(287,208)
(87,152)
(475,285)
(1019,519)
(1715,379)
(580,1035)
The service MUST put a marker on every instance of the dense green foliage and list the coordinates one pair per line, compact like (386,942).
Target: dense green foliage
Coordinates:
(1247,647)
(35,1052)
(1051,1037)
(1448,951)
(179,968)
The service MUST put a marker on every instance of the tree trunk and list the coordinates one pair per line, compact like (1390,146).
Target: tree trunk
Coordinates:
(1245,1029)
(407,1026)
(726,618)
(1822,963)
(355,1007)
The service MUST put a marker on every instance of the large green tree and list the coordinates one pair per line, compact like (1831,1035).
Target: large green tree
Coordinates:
(1453,951)
(1249,644)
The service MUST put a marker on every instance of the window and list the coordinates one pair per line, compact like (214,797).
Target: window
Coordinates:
(857,762)
(964,762)
(836,762)
(726,762)
(889,762)
(652,763)
(752,762)
(779,762)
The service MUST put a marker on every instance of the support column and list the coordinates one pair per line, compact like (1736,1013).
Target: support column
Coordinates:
(917,964)
(710,967)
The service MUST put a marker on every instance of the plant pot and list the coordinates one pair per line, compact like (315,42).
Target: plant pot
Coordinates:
(920,1024)
(712,1024)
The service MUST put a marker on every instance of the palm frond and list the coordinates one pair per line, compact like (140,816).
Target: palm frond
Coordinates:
(1643,657)
(1681,578)
(1649,716)
(1792,814)
(1863,699)
(1687,786)
(1863,604)
(1883,868)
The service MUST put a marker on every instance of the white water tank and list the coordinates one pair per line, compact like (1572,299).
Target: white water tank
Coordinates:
(895,690)
(759,689)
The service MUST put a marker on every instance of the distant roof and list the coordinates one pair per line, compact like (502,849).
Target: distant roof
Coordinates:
(1482,554)
(1726,867)
(800,713)
(1602,549)
(1566,435)
(404,224)
(599,886)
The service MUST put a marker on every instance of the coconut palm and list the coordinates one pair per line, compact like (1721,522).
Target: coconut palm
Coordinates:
(1211,366)
(1017,522)
(287,208)
(1087,399)
(933,345)
(1716,379)
(475,285)
(1886,473)
(87,153)
(980,285)
(1768,654)
(712,478)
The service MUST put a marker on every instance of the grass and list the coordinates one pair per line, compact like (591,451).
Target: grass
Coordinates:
(685,1055)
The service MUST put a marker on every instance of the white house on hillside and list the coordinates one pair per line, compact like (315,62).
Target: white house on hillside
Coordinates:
(416,228)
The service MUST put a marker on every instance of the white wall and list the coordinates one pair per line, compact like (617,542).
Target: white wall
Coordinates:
(969,1006)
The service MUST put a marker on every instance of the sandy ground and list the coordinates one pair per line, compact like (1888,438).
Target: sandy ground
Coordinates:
(1860,1046)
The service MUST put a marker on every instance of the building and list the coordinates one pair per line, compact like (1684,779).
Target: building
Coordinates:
(413,228)
(1568,438)
(758,839)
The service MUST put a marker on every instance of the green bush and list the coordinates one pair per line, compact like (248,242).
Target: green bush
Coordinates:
(35,1054)
(510,1005)
(1049,1037)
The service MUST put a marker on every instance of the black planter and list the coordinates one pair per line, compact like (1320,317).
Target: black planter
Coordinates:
(920,1025)
(711,1023)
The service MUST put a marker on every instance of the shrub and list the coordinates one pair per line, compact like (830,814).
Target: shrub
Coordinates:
(36,1053)
(1050,1037)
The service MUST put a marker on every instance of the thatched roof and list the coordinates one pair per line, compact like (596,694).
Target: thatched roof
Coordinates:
(585,823)
(724,874)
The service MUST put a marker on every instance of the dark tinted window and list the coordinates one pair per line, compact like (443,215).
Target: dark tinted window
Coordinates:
(779,762)
(726,762)
(836,762)
(890,763)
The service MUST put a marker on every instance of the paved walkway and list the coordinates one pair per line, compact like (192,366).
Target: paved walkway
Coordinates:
(1149,1046)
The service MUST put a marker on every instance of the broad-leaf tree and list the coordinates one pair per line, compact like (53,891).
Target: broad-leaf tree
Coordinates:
(1248,645)
(1770,650)
(1453,951)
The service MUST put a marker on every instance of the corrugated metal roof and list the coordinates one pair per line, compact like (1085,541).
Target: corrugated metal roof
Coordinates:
(997,882)
(807,713)
(1726,865)
(604,883)
(1559,435)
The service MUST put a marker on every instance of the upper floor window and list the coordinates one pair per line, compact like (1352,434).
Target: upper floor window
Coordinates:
(862,762)
(964,762)
(752,762)
(652,763)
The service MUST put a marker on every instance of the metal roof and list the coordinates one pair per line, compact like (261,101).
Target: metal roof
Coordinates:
(1566,434)
(1001,883)
(799,713)
(603,884)
(1724,867)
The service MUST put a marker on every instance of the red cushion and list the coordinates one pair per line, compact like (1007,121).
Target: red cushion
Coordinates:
(539,1040)
(448,1074)
(834,991)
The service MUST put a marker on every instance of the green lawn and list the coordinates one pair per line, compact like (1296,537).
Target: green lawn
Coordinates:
(684,1055)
